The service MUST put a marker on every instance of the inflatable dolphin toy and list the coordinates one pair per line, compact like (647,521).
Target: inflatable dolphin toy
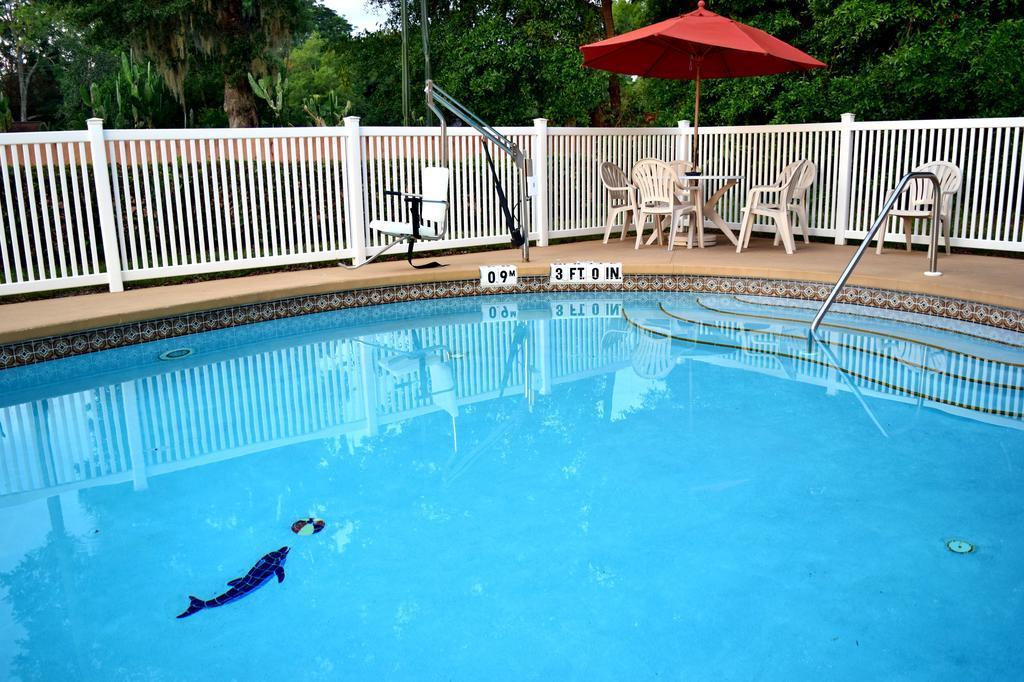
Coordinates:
(259,575)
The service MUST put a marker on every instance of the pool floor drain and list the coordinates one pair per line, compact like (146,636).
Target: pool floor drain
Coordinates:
(176,354)
(959,547)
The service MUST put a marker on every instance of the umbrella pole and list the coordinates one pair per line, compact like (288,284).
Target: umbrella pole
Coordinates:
(696,125)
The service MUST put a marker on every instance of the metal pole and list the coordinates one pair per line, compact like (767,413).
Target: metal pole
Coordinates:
(432,106)
(405,61)
(696,123)
(425,32)
(879,221)
(524,198)
(933,241)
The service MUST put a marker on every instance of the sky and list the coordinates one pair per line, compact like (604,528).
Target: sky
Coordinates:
(357,12)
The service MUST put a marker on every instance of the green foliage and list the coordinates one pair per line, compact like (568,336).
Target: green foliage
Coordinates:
(6,118)
(329,25)
(321,70)
(238,36)
(904,59)
(134,97)
(326,110)
(508,60)
(270,90)
(139,91)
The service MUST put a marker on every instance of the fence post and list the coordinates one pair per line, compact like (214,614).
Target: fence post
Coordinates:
(682,143)
(356,219)
(540,177)
(845,179)
(105,203)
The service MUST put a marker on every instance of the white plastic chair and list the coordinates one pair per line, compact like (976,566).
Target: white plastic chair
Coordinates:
(760,204)
(922,201)
(621,198)
(798,204)
(427,212)
(657,189)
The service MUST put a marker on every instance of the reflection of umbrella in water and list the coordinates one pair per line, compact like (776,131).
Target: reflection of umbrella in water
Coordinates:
(700,44)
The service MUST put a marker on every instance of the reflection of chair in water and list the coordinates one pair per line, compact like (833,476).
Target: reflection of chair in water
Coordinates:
(431,367)
(438,375)
(613,340)
(652,357)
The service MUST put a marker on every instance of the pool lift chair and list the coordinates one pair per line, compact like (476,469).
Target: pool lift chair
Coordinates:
(428,210)
(429,369)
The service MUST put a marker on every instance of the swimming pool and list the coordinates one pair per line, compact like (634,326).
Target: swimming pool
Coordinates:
(599,486)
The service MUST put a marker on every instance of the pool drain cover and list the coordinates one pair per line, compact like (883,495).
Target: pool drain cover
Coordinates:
(959,546)
(176,354)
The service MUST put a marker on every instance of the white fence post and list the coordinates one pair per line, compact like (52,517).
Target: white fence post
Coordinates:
(845,180)
(104,202)
(356,222)
(683,145)
(540,177)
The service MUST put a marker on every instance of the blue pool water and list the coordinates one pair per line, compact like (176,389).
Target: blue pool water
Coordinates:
(523,487)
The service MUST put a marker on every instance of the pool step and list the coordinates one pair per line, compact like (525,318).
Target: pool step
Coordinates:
(929,330)
(883,364)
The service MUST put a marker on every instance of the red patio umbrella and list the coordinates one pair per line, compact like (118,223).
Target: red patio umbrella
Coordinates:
(693,46)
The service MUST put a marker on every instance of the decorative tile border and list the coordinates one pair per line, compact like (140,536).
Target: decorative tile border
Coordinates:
(40,350)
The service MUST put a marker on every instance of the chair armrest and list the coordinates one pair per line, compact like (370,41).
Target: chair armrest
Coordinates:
(410,197)
(627,188)
(766,188)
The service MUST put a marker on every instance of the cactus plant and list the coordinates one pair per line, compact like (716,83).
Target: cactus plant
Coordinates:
(325,111)
(270,90)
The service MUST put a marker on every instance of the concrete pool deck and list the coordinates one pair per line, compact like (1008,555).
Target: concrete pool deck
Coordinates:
(984,279)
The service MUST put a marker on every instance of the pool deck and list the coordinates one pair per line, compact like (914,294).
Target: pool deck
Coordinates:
(984,279)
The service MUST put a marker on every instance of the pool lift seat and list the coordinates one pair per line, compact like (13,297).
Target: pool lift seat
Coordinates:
(427,212)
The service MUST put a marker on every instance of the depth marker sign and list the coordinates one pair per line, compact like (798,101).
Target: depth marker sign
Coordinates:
(586,272)
(496,276)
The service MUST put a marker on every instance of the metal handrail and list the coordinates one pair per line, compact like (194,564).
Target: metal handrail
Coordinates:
(933,245)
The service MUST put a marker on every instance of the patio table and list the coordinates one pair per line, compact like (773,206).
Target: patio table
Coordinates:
(710,213)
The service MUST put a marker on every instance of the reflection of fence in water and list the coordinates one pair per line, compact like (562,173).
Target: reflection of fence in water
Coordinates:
(246,401)
(261,400)
(60,440)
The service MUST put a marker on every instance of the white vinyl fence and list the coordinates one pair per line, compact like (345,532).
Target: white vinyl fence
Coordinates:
(104,206)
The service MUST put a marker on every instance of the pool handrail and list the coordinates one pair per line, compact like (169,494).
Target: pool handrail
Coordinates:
(879,221)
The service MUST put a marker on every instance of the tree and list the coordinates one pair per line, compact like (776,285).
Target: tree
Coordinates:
(27,31)
(238,36)
(334,29)
(899,59)
(614,87)
(317,70)
(508,60)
